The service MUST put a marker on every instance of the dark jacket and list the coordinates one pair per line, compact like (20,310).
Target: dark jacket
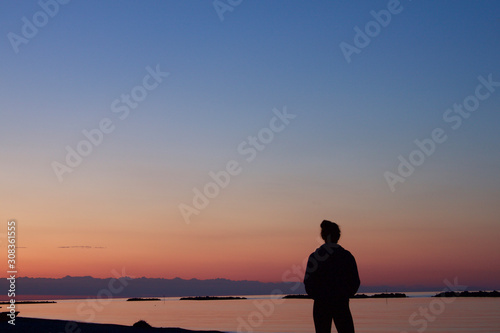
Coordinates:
(331,273)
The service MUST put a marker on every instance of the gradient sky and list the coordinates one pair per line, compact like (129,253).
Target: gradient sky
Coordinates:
(119,209)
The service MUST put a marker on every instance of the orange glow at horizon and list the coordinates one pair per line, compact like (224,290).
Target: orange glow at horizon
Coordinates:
(402,246)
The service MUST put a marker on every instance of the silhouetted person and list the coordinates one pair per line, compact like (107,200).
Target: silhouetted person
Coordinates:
(331,279)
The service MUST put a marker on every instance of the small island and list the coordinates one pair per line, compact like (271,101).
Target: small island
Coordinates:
(298,296)
(141,299)
(383,295)
(30,302)
(210,298)
(468,294)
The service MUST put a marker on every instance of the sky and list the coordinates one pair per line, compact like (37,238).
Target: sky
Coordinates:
(201,139)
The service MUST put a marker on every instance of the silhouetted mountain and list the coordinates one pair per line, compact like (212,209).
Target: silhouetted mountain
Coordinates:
(146,287)
(149,287)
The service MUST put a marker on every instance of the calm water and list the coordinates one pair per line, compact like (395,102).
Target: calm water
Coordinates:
(261,314)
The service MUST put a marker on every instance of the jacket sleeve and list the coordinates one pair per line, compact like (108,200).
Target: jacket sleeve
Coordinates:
(353,279)
(311,278)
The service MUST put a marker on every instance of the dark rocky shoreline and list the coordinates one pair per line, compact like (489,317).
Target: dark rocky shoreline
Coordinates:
(34,325)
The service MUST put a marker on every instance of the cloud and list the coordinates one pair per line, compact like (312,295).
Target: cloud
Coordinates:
(81,247)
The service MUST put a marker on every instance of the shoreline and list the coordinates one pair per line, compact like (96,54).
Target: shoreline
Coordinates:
(53,299)
(36,325)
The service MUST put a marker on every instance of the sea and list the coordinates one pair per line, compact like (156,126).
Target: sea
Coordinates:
(418,313)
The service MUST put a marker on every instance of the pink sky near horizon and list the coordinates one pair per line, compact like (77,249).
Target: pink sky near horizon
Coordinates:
(402,246)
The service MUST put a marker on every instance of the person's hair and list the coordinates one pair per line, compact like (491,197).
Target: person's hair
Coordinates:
(330,231)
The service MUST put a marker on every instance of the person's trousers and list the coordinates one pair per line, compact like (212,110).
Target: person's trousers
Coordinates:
(338,311)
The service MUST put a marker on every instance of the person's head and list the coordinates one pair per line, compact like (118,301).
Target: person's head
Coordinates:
(330,231)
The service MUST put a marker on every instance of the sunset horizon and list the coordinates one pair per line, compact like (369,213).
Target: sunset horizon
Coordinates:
(372,272)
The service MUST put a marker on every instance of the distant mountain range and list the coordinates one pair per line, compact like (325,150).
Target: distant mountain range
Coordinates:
(88,286)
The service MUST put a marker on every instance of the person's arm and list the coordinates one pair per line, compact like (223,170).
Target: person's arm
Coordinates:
(354,280)
(310,277)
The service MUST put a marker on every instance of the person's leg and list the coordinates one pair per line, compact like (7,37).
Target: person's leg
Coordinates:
(342,317)
(322,315)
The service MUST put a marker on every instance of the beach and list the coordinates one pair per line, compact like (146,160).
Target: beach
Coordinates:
(35,325)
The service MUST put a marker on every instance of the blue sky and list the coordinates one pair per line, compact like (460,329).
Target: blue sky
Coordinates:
(353,119)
